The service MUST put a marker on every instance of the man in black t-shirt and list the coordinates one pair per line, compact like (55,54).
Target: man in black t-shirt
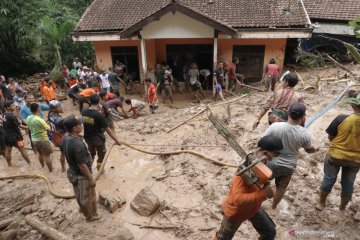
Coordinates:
(79,172)
(95,124)
(12,132)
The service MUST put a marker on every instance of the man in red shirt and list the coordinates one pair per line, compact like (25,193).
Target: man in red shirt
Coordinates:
(271,75)
(234,78)
(152,97)
(244,200)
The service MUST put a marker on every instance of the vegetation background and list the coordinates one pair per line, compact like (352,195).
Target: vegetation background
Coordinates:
(31,31)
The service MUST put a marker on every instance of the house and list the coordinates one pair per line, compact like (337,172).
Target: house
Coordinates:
(331,22)
(141,33)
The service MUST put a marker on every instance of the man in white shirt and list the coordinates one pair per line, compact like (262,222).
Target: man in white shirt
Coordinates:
(104,80)
(293,137)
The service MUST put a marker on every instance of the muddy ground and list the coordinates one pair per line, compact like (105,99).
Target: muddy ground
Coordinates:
(191,189)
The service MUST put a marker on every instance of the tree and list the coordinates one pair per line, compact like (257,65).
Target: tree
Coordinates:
(356,25)
(55,34)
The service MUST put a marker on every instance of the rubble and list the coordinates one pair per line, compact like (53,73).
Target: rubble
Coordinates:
(145,202)
(122,234)
(111,201)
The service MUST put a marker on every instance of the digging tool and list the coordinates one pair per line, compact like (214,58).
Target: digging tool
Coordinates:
(256,171)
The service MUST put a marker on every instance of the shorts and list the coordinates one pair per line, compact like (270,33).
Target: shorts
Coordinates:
(43,147)
(196,87)
(218,88)
(14,143)
(167,91)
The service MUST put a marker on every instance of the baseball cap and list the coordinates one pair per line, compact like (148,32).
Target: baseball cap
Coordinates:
(354,99)
(71,122)
(54,104)
(270,143)
(297,110)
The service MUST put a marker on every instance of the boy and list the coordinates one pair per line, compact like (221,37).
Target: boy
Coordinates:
(135,106)
(152,97)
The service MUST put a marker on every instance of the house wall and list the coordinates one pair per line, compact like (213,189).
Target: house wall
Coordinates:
(156,49)
(274,48)
(103,52)
(176,25)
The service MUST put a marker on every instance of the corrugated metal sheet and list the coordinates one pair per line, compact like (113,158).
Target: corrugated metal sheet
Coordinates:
(334,28)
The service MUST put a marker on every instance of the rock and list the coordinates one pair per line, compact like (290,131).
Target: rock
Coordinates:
(357,216)
(122,234)
(111,201)
(145,202)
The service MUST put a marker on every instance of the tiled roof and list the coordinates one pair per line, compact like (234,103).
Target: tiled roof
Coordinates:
(334,28)
(336,10)
(118,15)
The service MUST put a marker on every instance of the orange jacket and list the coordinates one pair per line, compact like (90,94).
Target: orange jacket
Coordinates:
(243,201)
(49,93)
(87,92)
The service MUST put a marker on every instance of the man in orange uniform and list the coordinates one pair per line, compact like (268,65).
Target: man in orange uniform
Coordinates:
(48,91)
(84,96)
(243,201)
(152,97)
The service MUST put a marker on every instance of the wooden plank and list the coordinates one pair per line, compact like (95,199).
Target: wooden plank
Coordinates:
(224,131)
(45,229)
(6,222)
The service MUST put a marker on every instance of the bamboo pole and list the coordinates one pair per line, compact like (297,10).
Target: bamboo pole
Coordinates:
(45,229)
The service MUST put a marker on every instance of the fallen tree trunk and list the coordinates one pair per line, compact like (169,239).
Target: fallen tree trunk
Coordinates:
(45,229)
(340,65)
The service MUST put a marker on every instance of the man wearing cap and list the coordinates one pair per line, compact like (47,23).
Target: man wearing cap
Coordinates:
(38,128)
(280,101)
(95,124)
(57,130)
(244,200)
(344,153)
(79,172)
(293,137)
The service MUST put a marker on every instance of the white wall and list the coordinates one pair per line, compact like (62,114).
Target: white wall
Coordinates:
(176,25)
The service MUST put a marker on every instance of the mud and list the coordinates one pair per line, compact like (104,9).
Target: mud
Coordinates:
(190,189)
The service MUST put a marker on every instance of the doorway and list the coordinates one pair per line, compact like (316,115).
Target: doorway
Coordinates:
(181,56)
(128,56)
(251,61)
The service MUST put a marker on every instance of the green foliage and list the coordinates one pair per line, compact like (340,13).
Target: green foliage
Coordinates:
(28,39)
(310,60)
(356,25)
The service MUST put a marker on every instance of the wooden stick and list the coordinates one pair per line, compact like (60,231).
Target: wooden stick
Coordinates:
(203,110)
(206,229)
(45,229)
(101,169)
(155,227)
(179,125)
(298,75)
(251,87)
(339,65)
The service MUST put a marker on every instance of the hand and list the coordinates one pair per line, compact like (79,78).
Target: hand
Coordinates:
(268,191)
(256,123)
(92,183)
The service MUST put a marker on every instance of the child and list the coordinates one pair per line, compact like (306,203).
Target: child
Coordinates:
(152,96)
(135,106)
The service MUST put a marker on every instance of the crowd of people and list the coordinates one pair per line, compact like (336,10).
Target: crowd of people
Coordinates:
(280,143)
